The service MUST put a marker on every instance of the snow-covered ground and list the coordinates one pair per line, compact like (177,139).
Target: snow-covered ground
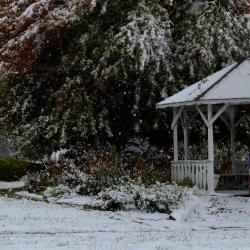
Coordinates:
(218,222)
(11,185)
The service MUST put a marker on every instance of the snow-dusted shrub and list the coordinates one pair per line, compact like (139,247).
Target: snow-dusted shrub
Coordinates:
(54,174)
(95,171)
(120,196)
(136,147)
(146,162)
(103,168)
(92,171)
(57,191)
(159,197)
(60,179)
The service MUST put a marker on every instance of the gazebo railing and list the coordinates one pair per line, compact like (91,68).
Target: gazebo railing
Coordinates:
(197,171)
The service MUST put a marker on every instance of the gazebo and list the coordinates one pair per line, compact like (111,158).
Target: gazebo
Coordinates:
(218,96)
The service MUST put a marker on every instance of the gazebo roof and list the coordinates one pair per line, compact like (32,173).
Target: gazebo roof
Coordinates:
(230,85)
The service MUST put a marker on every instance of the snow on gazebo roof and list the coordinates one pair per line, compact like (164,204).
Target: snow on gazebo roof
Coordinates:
(230,85)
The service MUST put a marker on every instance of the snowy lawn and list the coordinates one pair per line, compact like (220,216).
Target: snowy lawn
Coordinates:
(11,185)
(219,222)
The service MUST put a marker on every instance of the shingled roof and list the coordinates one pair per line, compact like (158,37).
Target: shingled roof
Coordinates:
(230,85)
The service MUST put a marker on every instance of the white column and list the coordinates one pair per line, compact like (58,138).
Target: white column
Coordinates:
(232,134)
(185,132)
(175,128)
(210,149)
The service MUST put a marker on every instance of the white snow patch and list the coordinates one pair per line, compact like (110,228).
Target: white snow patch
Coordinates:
(11,185)
(181,214)
(79,200)
(55,156)
(248,17)
(32,196)
(33,225)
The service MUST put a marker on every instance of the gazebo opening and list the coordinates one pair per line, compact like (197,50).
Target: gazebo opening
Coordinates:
(219,100)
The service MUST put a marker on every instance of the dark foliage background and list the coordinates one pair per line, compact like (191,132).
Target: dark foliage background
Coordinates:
(85,74)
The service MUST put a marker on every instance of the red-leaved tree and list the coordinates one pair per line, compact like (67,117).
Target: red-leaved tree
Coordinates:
(26,28)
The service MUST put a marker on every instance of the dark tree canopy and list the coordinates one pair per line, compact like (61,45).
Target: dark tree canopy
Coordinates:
(89,73)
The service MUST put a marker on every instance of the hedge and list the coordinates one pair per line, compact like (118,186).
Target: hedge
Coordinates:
(12,169)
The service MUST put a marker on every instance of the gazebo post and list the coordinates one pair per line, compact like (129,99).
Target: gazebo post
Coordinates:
(185,132)
(206,93)
(232,134)
(175,130)
(210,148)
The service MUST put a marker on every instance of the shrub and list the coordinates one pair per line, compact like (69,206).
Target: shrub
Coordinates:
(159,197)
(93,171)
(12,169)
(146,162)
(58,191)
(103,168)
(38,181)
(96,171)
(55,174)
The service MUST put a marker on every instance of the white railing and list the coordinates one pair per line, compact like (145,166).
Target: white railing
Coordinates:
(197,171)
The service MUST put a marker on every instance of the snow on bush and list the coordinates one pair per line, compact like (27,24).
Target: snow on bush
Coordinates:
(56,156)
(123,193)
(58,191)
(95,171)
(159,197)
(145,162)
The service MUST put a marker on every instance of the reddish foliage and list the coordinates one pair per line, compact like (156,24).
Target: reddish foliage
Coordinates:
(241,4)
(26,28)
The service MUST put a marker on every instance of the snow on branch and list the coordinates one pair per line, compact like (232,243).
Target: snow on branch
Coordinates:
(144,40)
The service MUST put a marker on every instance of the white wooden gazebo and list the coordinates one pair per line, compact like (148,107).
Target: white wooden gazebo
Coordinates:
(218,96)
